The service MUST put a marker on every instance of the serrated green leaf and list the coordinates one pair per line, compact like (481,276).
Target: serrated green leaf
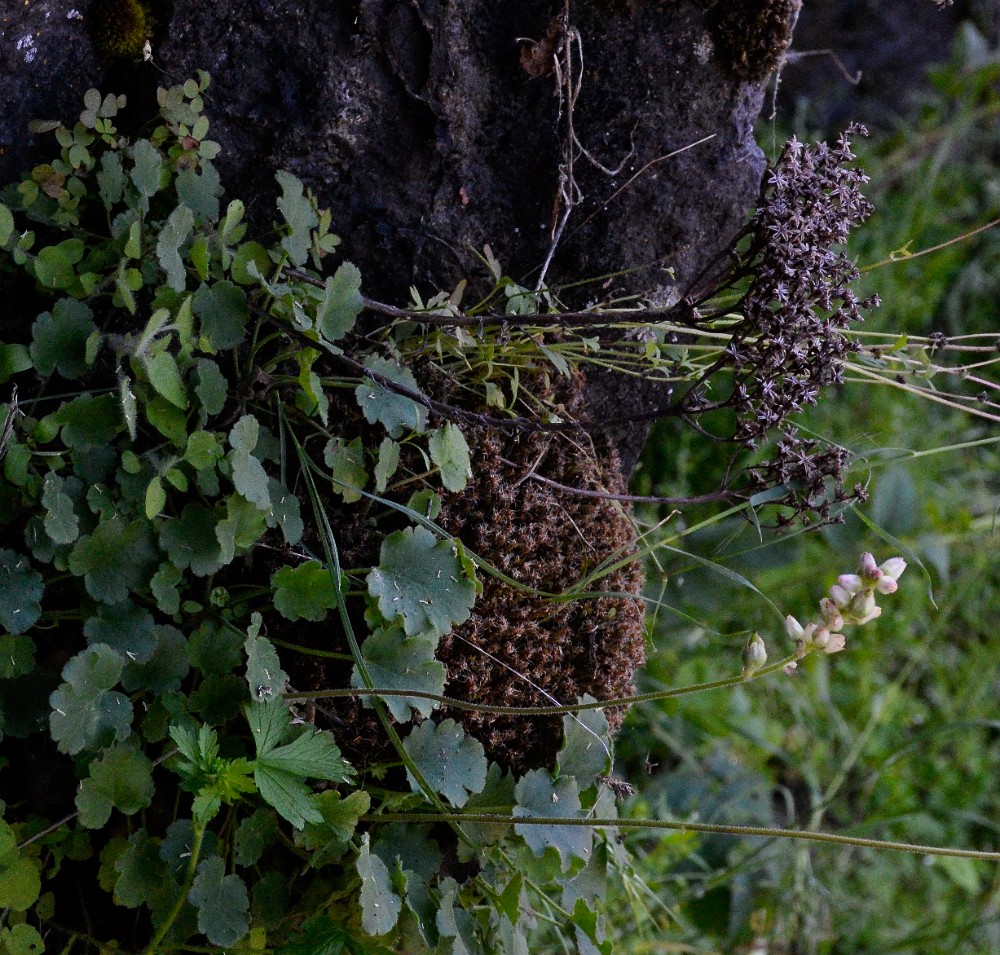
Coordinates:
(304,592)
(17,656)
(20,591)
(397,662)
(298,212)
(241,528)
(586,750)
(86,713)
(450,452)
(328,840)
(145,174)
(254,835)
(61,522)
(165,377)
(396,412)
(318,935)
(20,883)
(6,224)
(110,179)
(121,779)
(269,722)
(116,559)
(212,389)
(127,629)
(264,675)
(537,795)
(165,670)
(313,753)
(89,422)
(453,764)
(203,450)
(346,462)
(211,778)
(191,542)
(410,846)
(247,253)
(59,339)
(388,461)
(380,905)
(292,798)
(164,587)
(222,903)
(341,303)
(421,579)
(142,876)
(285,512)
(54,263)
(200,189)
(22,939)
(222,310)
(175,232)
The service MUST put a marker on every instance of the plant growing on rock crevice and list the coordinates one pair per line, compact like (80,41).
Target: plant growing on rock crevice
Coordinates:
(221,496)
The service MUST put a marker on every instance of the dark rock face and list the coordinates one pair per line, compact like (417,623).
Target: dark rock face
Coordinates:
(419,125)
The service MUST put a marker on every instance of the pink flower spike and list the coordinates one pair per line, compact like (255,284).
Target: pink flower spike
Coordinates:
(887,585)
(836,643)
(894,567)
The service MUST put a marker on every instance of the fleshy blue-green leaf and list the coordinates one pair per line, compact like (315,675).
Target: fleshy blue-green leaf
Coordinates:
(20,591)
(341,304)
(537,795)
(398,662)
(396,412)
(380,905)
(422,580)
(222,903)
(452,763)
(450,452)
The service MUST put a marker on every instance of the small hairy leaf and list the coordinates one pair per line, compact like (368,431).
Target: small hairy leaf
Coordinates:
(397,662)
(212,389)
(305,592)
(450,452)
(165,377)
(328,840)
(86,713)
(300,216)
(421,580)
(125,628)
(222,309)
(20,590)
(341,304)
(538,796)
(175,232)
(121,779)
(380,906)
(396,412)
(265,677)
(254,835)
(222,903)
(59,339)
(452,763)
(191,542)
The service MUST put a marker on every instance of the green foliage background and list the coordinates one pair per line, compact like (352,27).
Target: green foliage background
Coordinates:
(896,737)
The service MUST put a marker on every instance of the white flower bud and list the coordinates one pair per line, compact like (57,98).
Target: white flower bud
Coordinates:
(852,583)
(862,605)
(793,628)
(821,638)
(893,567)
(836,643)
(887,585)
(868,569)
(841,596)
(831,613)
(754,655)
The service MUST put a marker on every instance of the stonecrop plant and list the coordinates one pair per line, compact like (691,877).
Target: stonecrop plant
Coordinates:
(299,650)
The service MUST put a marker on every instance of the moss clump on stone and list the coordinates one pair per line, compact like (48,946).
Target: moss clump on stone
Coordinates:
(120,29)
(751,38)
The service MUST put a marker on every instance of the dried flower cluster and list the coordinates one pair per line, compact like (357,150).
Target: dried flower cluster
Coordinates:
(797,303)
